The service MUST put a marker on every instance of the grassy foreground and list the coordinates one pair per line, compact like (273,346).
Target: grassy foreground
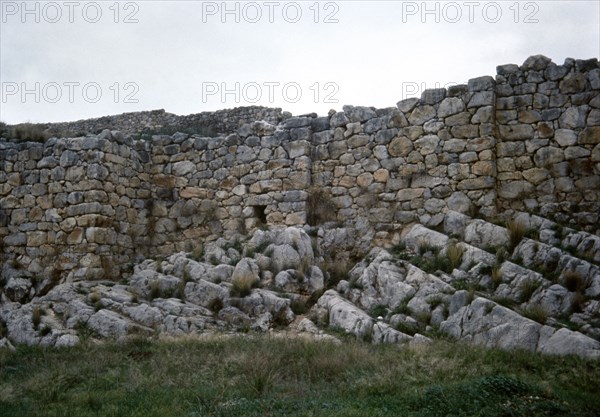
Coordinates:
(266,376)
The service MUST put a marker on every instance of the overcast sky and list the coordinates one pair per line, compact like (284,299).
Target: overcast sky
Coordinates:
(62,61)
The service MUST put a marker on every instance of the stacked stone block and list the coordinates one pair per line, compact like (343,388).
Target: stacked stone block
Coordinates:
(548,119)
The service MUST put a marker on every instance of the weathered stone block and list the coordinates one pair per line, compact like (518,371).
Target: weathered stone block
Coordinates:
(476,183)
(454,145)
(536,175)
(536,63)
(573,118)
(515,189)
(555,72)
(400,146)
(421,114)
(295,122)
(381,175)
(458,119)
(297,149)
(590,136)
(484,168)
(338,119)
(482,98)
(481,83)
(409,194)
(548,156)
(364,180)
(336,149)
(574,152)
(505,116)
(450,106)
(407,105)
(516,132)
(359,113)
(358,140)
(572,83)
(468,157)
(15,239)
(433,95)
(427,144)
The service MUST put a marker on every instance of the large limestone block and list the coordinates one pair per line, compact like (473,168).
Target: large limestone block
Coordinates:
(345,315)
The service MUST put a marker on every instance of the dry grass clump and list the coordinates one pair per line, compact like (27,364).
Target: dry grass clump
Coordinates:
(242,285)
(36,317)
(154,290)
(455,254)
(496,276)
(319,206)
(516,233)
(335,270)
(573,281)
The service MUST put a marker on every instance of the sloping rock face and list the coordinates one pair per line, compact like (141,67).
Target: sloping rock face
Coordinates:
(486,323)
(281,279)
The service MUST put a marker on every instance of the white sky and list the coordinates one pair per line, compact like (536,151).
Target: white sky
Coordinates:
(375,54)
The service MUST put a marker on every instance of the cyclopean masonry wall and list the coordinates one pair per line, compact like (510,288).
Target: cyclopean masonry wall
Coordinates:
(548,119)
(221,121)
(89,207)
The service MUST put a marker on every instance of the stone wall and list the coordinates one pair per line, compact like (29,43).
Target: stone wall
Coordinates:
(73,205)
(548,119)
(221,121)
(90,206)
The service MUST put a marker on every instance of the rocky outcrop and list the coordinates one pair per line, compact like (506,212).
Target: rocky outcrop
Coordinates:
(401,296)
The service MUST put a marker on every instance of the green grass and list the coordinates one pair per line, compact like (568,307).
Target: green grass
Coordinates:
(536,313)
(378,310)
(527,289)
(258,376)
(432,264)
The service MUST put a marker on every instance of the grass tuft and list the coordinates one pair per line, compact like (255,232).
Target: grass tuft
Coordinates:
(536,313)
(496,275)
(242,286)
(527,289)
(455,254)
(378,310)
(216,305)
(573,281)
(154,290)
(516,233)
(36,317)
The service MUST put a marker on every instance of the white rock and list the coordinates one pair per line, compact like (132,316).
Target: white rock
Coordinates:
(345,315)
(567,342)
(483,234)
(203,293)
(384,333)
